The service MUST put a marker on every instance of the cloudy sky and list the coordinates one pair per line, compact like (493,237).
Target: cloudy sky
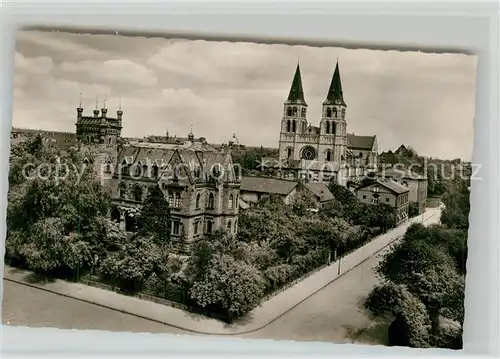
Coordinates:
(424,100)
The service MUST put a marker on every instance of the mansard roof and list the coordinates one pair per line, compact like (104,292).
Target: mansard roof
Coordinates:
(186,158)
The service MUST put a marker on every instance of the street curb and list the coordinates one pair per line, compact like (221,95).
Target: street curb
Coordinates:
(211,333)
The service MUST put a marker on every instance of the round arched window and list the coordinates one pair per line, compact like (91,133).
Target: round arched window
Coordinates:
(308,153)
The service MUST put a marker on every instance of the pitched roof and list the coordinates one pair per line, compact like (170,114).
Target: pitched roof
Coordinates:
(267,185)
(335,93)
(320,190)
(313,129)
(393,186)
(296,94)
(360,142)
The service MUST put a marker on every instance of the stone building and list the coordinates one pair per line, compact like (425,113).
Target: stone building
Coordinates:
(201,184)
(322,153)
(416,183)
(99,128)
(389,192)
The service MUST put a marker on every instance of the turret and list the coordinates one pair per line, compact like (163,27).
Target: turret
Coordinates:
(79,109)
(295,107)
(333,125)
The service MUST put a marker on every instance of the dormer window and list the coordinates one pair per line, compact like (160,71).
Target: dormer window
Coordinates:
(108,167)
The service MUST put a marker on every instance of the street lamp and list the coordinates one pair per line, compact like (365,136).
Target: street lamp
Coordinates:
(338,273)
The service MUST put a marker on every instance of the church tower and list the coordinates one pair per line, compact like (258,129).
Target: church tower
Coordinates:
(333,128)
(294,120)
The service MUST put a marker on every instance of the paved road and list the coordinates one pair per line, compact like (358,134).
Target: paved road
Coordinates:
(328,315)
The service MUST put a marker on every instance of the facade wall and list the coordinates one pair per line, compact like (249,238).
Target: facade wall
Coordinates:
(400,202)
(366,195)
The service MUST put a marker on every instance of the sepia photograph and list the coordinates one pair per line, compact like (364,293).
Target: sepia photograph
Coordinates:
(239,189)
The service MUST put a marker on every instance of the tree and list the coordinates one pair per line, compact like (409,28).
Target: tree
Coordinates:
(302,201)
(411,324)
(422,264)
(154,217)
(50,218)
(413,209)
(234,287)
(131,266)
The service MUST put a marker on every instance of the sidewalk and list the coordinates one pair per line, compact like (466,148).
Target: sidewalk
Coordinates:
(266,313)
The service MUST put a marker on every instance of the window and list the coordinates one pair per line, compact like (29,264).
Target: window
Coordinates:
(294,126)
(177,203)
(334,112)
(108,167)
(171,199)
(328,155)
(145,170)
(288,126)
(196,225)
(334,129)
(327,127)
(155,171)
(137,170)
(235,226)
(364,196)
(198,198)
(230,202)
(303,113)
(308,153)
(176,227)
(328,112)
(295,111)
(387,199)
(289,112)
(122,190)
(138,193)
(288,152)
(229,226)
(124,168)
(209,226)
(211,201)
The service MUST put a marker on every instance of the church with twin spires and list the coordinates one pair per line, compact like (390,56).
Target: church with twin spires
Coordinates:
(326,152)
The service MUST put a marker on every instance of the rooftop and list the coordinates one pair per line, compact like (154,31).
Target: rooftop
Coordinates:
(320,190)
(267,185)
(360,142)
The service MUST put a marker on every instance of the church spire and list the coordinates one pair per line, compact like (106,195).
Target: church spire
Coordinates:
(335,94)
(296,94)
